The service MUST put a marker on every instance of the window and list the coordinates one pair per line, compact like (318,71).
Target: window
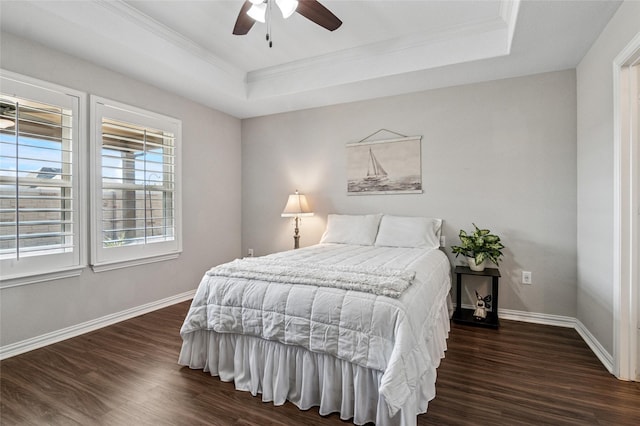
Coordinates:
(40,212)
(136,185)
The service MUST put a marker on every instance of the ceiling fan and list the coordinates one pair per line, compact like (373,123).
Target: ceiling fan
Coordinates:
(256,10)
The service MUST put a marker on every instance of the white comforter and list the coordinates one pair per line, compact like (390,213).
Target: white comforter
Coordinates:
(380,281)
(377,332)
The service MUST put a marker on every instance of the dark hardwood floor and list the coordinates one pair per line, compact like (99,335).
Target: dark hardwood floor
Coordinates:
(127,374)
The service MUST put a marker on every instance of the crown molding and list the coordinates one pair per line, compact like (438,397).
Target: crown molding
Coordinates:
(426,50)
(412,43)
(179,62)
(480,40)
(472,41)
(149,24)
(509,14)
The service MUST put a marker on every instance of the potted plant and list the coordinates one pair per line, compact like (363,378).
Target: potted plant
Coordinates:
(479,247)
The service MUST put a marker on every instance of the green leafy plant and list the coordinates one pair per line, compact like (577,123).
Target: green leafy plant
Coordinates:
(481,245)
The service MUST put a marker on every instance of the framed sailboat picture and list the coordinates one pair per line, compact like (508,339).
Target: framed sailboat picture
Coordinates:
(390,166)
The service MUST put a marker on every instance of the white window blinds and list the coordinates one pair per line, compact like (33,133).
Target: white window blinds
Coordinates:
(39,216)
(137,211)
(138,175)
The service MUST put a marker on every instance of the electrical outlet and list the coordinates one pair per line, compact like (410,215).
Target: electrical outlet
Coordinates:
(250,252)
(443,241)
(526,277)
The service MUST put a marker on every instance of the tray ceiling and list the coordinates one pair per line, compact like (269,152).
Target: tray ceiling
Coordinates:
(383,48)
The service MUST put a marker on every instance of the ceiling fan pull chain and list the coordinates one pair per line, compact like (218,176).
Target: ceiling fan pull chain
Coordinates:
(269,39)
(253,11)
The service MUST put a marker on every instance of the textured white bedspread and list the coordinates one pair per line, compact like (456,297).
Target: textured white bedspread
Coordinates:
(380,281)
(378,332)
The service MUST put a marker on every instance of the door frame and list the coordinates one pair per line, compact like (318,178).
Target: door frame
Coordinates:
(626,204)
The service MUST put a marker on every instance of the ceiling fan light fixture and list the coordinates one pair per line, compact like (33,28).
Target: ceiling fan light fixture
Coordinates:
(258,12)
(287,7)
(253,11)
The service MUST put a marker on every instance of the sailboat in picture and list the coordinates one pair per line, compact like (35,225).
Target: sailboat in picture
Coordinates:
(375,171)
(401,173)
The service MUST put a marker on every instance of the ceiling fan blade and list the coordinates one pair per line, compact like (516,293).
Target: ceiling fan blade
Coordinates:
(244,21)
(315,12)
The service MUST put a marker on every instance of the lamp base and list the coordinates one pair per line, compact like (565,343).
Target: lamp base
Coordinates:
(296,234)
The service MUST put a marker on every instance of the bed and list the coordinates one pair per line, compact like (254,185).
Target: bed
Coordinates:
(355,325)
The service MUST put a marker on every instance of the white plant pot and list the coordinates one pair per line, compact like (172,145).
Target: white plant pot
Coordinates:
(474,267)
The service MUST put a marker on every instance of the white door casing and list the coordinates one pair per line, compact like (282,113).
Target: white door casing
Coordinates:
(626,208)
(636,194)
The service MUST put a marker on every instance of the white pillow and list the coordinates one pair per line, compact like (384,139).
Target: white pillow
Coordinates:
(351,229)
(402,231)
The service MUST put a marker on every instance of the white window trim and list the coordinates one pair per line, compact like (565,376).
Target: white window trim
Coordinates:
(123,257)
(46,271)
(39,278)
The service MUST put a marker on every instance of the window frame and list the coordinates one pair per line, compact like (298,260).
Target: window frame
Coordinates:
(108,258)
(40,268)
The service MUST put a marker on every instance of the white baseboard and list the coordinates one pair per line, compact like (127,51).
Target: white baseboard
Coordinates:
(605,357)
(75,330)
(559,321)
(538,318)
(66,333)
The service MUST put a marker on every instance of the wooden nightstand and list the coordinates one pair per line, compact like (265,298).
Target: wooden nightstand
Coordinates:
(465,316)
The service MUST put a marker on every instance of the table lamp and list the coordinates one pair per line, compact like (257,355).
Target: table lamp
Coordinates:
(296,207)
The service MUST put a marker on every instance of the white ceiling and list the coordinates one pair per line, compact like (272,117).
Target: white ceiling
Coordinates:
(383,47)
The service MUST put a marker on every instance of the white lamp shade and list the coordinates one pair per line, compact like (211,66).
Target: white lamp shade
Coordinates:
(287,7)
(258,12)
(297,205)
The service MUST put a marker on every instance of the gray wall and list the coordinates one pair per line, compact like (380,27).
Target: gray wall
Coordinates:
(595,173)
(501,154)
(211,203)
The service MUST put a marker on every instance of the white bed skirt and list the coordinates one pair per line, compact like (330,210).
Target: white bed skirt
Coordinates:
(284,372)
